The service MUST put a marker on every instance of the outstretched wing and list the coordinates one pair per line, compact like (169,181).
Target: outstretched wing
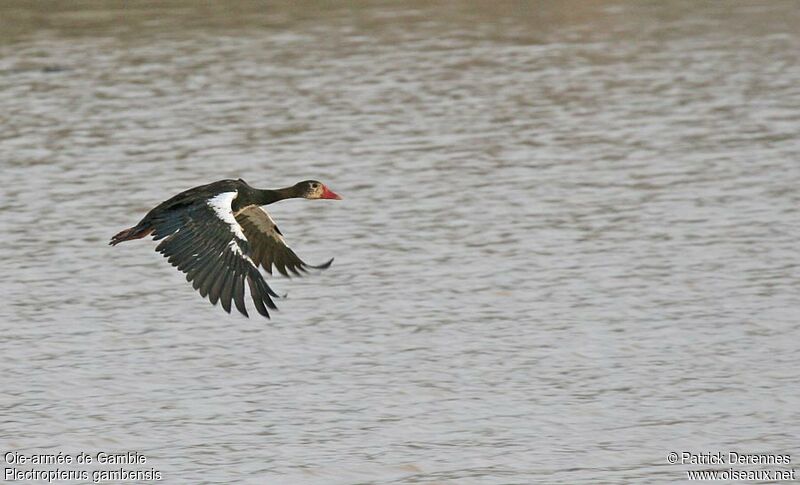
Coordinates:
(204,240)
(267,245)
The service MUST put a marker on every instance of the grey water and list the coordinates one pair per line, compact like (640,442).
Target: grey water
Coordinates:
(568,243)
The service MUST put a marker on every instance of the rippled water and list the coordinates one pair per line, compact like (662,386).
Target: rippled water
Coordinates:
(568,243)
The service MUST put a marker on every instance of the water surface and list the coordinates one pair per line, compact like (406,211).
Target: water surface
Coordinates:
(568,243)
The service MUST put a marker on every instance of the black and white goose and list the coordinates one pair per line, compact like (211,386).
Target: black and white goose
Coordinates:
(219,235)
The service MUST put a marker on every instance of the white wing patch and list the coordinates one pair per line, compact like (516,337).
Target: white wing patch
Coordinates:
(237,250)
(222,207)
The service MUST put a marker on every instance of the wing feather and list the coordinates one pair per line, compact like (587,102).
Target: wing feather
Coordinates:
(238,294)
(205,241)
(215,284)
(257,300)
(269,248)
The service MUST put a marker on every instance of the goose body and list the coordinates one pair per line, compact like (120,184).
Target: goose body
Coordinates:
(218,235)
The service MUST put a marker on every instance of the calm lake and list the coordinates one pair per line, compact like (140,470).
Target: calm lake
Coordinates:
(568,244)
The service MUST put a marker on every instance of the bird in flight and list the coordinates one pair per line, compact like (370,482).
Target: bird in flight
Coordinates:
(218,235)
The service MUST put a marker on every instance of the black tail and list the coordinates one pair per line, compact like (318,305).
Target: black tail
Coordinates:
(135,232)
